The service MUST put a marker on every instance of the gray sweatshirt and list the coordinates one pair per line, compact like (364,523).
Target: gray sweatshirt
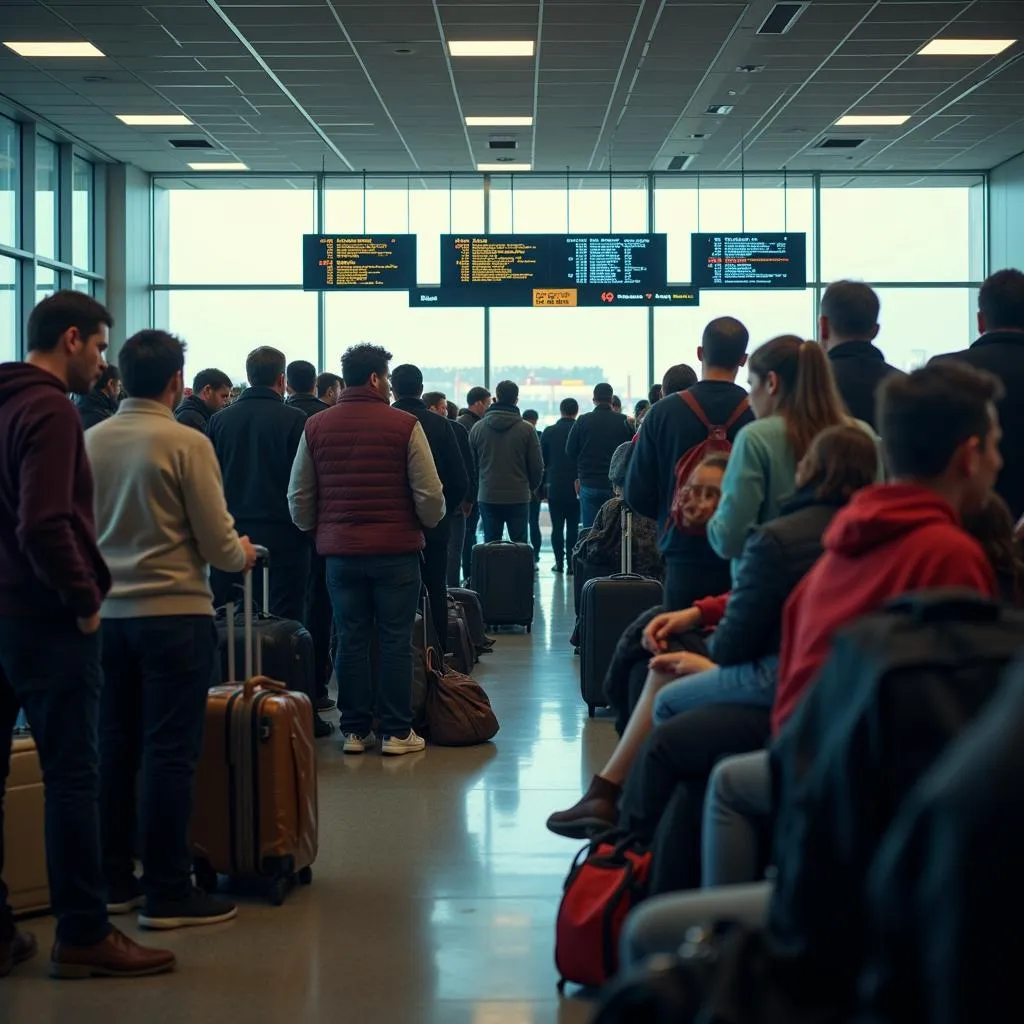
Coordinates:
(161,516)
(507,453)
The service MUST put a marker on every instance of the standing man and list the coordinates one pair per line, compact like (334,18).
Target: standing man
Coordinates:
(162,519)
(536,539)
(364,480)
(478,401)
(560,477)
(407,386)
(592,440)
(507,452)
(256,438)
(300,384)
(211,392)
(100,403)
(52,583)
(329,387)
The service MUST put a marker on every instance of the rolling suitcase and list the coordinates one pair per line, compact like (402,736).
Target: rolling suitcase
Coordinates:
(24,842)
(607,607)
(469,602)
(255,813)
(503,576)
(459,647)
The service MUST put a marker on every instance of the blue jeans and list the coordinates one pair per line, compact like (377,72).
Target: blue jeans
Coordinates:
(591,500)
(53,672)
(152,712)
(496,517)
(752,683)
(368,590)
(737,820)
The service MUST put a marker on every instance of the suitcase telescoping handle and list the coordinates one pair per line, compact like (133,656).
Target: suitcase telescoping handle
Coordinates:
(626,526)
(253,652)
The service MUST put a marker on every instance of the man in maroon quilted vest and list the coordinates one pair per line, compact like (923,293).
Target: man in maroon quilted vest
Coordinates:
(365,481)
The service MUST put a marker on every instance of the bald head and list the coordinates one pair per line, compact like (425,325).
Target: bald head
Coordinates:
(724,345)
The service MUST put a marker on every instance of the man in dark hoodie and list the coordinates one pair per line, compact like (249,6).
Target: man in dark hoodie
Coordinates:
(560,484)
(52,583)
(300,383)
(211,392)
(100,403)
(507,452)
(478,401)
(848,326)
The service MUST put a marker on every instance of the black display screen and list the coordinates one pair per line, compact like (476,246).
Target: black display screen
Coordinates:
(358,261)
(763,260)
(554,261)
(592,295)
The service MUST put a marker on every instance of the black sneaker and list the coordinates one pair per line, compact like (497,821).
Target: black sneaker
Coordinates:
(124,897)
(321,729)
(324,703)
(197,909)
(557,567)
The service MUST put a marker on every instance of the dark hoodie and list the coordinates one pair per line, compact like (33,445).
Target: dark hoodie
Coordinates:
(891,539)
(309,404)
(507,452)
(50,565)
(194,413)
(95,407)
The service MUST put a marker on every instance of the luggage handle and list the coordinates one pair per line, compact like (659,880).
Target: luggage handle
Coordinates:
(949,605)
(253,653)
(626,528)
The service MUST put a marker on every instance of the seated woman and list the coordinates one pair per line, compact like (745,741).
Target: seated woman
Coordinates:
(743,652)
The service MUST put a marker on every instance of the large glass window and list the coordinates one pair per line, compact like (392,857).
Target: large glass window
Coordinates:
(47,206)
(10,177)
(9,346)
(82,214)
(918,323)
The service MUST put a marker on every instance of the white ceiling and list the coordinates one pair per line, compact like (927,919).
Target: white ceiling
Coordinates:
(287,86)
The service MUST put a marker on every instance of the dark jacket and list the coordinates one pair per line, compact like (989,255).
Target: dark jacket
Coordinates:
(592,441)
(308,405)
(560,473)
(1002,353)
(601,546)
(469,420)
(859,367)
(95,407)
(668,432)
(444,447)
(255,439)
(507,453)
(466,450)
(194,413)
(50,563)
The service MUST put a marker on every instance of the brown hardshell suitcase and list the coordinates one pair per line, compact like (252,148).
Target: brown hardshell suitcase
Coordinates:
(24,842)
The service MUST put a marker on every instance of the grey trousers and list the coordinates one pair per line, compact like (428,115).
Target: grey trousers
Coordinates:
(737,815)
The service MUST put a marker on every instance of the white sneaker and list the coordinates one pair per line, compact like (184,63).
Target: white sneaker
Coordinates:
(411,744)
(353,744)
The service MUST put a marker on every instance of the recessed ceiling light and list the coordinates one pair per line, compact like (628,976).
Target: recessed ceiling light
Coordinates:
(880,120)
(492,48)
(154,120)
(965,47)
(218,167)
(499,122)
(504,167)
(54,49)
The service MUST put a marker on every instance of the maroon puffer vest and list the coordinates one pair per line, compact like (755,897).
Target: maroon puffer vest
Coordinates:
(364,501)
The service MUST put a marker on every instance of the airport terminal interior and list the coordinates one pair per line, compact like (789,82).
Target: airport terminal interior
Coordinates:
(559,193)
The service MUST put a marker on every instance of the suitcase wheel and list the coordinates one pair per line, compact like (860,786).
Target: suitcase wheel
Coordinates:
(590,710)
(279,890)
(305,876)
(529,627)
(206,877)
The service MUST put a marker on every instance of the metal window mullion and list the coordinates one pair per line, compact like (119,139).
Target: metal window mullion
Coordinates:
(65,214)
(321,297)
(651,323)
(27,197)
(487,309)
(98,231)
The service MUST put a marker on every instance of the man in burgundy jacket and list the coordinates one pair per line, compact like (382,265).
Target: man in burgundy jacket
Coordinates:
(52,583)
(365,481)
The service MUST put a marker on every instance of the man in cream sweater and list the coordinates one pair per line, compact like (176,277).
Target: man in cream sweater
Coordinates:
(162,520)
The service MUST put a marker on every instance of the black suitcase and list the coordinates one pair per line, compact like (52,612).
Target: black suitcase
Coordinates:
(459,645)
(469,602)
(607,607)
(503,576)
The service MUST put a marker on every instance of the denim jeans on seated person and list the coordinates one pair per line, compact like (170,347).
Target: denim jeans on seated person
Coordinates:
(737,820)
(751,683)
(368,591)
(496,517)
(591,500)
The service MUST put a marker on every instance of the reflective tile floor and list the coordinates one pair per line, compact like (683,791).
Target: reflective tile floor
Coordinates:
(435,892)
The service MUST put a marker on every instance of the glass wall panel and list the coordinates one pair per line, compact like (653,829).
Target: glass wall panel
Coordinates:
(10,343)
(556,204)
(10,178)
(82,214)
(918,323)
(46,282)
(82,284)
(47,222)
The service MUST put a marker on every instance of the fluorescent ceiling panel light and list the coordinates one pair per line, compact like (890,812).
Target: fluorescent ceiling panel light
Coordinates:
(54,49)
(965,47)
(154,120)
(504,167)
(879,120)
(499,122)
(218,167)
(492,48)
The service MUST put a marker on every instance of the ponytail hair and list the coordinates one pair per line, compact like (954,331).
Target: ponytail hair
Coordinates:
(808,398)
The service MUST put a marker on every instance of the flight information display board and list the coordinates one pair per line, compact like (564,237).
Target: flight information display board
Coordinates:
(359,262)
(554,261)
(593,295)
(769,260)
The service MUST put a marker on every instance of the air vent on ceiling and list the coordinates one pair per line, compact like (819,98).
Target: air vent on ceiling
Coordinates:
(502,144)
(781,19)
(750,69)
(505,159)
(680,163)
(840,142)
(721,108)
(191,143)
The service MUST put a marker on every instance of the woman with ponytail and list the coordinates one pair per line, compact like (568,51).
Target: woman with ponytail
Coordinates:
(794,397)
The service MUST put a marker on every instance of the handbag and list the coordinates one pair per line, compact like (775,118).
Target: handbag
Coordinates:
(459,712)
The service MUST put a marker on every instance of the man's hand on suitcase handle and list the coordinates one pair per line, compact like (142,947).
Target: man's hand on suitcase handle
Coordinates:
(252,553)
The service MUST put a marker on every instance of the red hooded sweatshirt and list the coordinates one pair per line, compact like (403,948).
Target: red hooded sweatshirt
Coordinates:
(889,540)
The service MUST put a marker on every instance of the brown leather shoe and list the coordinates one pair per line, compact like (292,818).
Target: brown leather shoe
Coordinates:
(597,811)
(116,956)
(21,948)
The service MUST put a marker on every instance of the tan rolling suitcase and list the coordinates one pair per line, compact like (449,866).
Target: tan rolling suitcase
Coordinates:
(24,833)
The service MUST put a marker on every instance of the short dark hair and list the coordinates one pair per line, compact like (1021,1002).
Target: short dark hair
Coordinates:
(569,407)
(407,381)
(725,343)
(852,308)
(301,376)
(264,365)
(110,372)
(61,311)
(1001,300)
(507,392)
(603,393)
(361,362)
(148,361)
(325,382)
(616,401)
(453,410)
(925,416)
(531,416)
(477,394)
(656,394)
(678,378)
(215,379)
(642,406)
(432,398)
(840,461)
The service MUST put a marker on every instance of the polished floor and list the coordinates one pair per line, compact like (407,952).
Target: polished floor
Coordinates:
(435,892)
